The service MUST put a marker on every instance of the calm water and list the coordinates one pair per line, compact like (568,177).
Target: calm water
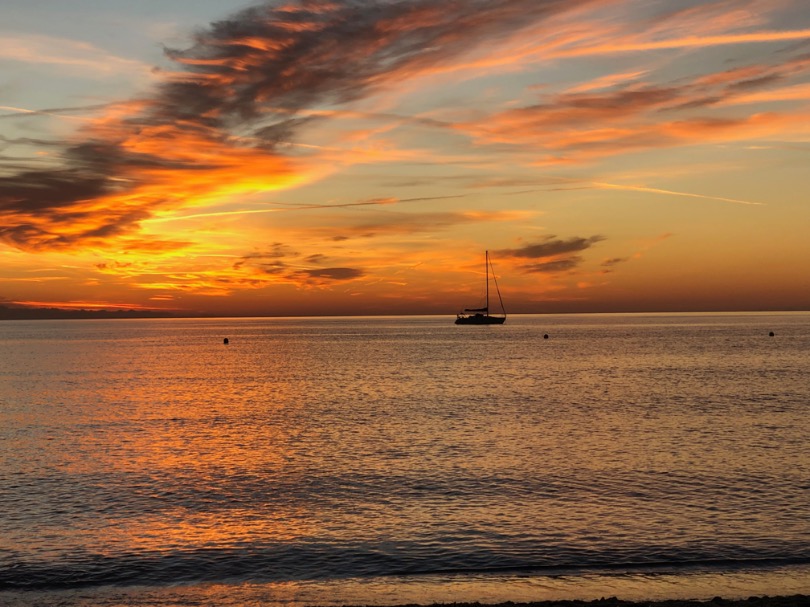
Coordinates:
(391,460)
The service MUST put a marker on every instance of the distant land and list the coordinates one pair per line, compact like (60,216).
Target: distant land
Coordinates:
(32,313)
(7,313)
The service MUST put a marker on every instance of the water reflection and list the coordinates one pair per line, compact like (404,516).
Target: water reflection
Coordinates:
(148,450)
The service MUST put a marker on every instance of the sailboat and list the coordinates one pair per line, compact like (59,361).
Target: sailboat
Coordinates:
(481,316)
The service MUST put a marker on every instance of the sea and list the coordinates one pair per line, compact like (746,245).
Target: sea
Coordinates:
(395,460)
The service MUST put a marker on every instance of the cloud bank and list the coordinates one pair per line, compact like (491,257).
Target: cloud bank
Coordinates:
(211,128)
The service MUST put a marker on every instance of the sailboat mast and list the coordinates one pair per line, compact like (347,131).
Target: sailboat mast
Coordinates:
(486,273)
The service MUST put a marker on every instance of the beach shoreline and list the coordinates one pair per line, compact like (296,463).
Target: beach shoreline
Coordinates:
(24,599)
(797,600)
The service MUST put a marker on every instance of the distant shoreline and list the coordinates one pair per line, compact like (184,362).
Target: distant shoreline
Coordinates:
(7,313)
(10,313)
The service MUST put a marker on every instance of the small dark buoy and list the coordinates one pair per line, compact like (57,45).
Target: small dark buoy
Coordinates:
(225,341)
(545,336)
(770,334)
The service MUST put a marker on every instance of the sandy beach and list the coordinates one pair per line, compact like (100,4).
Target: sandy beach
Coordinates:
(798,600)
(78,599)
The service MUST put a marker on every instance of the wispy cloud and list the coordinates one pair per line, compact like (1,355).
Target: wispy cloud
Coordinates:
(66,53)
(589,124)
(215,124)
(685,42)
(289,207)
(64,113)
(374,225)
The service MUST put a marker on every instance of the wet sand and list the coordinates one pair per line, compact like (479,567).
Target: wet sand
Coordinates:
(798,600)
(81,599)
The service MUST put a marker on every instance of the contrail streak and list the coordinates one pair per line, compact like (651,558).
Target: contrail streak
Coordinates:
(297,207)
(638,188)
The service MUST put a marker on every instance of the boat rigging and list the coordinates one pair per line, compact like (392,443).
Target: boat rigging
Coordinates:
(481,316)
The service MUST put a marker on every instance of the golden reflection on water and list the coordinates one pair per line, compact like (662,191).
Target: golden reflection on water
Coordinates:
(179,420)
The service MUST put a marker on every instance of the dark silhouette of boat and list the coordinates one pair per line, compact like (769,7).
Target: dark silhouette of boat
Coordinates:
(481,316)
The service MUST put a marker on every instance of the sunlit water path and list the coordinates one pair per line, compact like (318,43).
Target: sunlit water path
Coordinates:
(392,460)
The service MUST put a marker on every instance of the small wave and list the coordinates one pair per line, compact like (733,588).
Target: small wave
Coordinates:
(326,561)
(707,564)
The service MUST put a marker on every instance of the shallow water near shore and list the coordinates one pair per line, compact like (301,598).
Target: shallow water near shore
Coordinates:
(397,460)
(439,589)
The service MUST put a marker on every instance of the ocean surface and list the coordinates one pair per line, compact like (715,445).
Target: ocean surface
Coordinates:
(403,459)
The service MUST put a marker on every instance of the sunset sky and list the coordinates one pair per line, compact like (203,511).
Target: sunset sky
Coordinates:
(359,156)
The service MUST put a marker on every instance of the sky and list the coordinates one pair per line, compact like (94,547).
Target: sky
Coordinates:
(330,157)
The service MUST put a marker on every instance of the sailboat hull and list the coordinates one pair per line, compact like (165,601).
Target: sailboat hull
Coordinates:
(480,319)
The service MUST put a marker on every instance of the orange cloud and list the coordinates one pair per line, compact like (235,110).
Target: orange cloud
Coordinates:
(212,130)
(597,28)
(591,123)
(686,42)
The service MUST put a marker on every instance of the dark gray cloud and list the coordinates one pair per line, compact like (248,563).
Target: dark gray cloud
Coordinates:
(756,83)
(552,267)
(551,247)
(609,263)
(331,52)
(282,260)
(554,254)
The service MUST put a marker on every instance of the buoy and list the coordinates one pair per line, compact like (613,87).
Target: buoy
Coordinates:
(225,341)
(770,334)
(545,336)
